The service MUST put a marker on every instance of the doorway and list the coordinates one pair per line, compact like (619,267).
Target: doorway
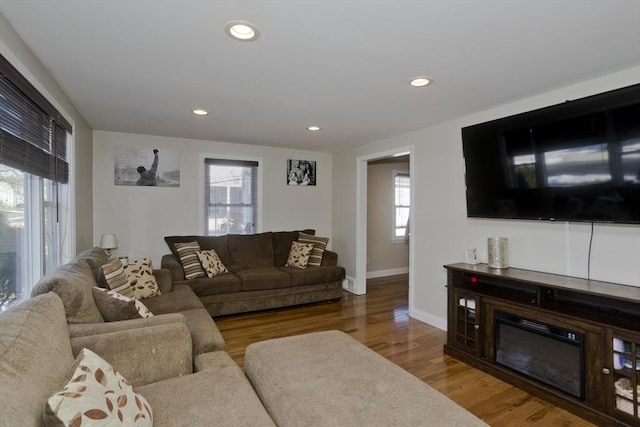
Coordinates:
(360,286)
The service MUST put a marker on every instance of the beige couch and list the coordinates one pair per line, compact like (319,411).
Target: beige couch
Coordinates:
(74,282)
(258,278)
(37,358)
(300,380)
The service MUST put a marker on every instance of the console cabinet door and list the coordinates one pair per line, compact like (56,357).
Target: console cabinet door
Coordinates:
(466,327)
(623,348)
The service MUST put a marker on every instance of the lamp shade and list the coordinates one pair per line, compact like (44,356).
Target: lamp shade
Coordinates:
(108,241)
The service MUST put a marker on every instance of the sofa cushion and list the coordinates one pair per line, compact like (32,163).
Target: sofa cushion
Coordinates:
(282,243)
(211,263)
(112,276)
(188,254)
(141,278)
(97,394)
(249,251)
(74,283)
(220,396)
(114,306)
(319,245)
(299,254)
(314,275)
(95,257)
(180,299)
(36,358)
(256,279)
(224,284)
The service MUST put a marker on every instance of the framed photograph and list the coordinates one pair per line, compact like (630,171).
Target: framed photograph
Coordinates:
(301,172)
(146,167)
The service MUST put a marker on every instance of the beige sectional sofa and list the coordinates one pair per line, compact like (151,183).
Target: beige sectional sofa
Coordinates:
(258,278)
(37,360)
(173,368)
(74,283)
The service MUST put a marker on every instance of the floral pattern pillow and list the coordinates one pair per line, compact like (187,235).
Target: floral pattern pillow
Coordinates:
(141,278)
(211,263)
(299,254)
(97,395)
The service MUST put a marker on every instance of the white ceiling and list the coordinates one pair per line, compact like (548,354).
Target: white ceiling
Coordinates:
(140,66)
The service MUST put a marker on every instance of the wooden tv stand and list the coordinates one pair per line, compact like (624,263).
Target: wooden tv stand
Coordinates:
(605,313)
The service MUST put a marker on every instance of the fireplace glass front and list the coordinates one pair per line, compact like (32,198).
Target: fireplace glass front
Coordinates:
(549,354)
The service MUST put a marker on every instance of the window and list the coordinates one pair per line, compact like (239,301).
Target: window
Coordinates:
(33,185)
(402,193)
(231,205)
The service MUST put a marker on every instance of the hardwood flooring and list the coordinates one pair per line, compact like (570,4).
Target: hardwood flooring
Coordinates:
(380,320)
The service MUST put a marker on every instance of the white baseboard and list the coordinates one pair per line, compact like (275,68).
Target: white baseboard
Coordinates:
(385,273)
(349,285)
(429,318)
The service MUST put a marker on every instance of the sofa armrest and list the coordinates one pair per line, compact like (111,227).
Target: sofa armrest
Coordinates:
(143,355)
(87,329)
(164,279)
(329,258)
(172,263)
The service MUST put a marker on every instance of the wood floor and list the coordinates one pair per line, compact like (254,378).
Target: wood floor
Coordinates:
(380,320)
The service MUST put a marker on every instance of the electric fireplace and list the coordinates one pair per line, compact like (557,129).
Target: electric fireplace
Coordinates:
(547,353)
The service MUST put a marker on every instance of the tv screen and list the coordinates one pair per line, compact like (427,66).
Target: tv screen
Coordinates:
(576,161)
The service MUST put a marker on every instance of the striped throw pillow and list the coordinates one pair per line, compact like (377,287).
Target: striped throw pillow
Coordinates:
(115,278)
(319,245)
(187,252)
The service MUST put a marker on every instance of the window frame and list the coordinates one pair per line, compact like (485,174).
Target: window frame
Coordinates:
(394,225)
(43,161)
(230,160)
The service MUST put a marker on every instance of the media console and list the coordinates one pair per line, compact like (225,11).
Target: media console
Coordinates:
(571,341)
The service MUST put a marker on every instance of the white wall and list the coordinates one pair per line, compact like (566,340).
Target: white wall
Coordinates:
(441,231)
(18,53)
(385,255)
(142,216)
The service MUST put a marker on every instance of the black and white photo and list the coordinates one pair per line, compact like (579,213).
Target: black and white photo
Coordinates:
(301,172)
(146,167)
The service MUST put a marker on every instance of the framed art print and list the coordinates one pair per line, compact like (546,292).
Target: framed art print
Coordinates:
(301,172)
(146,167)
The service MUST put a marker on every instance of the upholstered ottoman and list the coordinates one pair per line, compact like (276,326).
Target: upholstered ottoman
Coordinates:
(330,379)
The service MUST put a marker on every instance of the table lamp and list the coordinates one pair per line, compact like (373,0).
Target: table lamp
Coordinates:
(108,242)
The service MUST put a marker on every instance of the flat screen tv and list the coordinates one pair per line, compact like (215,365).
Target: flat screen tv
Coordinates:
(575,161)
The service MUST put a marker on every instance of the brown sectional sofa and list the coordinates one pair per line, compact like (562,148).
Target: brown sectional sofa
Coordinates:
(258,278)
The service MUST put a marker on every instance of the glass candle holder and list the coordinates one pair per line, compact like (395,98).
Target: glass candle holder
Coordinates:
(498,252)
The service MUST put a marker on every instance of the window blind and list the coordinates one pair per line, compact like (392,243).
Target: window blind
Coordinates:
(230,196)
(33,134)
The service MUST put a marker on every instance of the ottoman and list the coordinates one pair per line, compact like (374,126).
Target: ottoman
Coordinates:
(329,379)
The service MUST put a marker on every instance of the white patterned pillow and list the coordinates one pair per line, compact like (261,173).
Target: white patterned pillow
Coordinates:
(299,254)
(211,263)
(114,306)
(97,395)
(319,245)
(113,276)
(189,259)
(141,278)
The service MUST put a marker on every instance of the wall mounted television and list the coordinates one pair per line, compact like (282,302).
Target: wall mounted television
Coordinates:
(575,161)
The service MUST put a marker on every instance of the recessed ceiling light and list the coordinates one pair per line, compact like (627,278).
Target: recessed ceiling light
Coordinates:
(313,128)
(200,112)
(242,31)
(420,81)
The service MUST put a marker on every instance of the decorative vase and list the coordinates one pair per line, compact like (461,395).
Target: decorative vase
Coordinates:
(498,252)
